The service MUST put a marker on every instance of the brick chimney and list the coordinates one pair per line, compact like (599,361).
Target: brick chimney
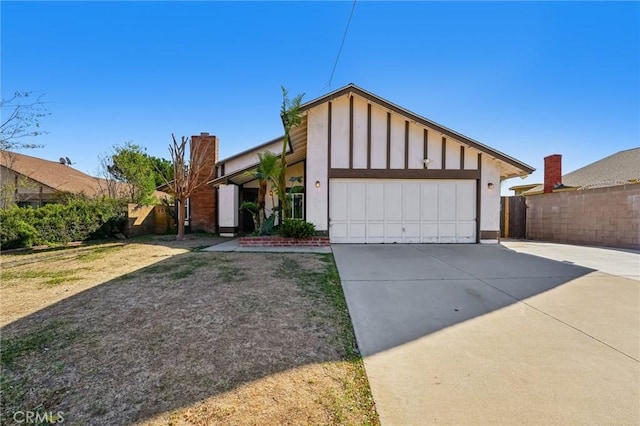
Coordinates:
(202,203)
(552,172)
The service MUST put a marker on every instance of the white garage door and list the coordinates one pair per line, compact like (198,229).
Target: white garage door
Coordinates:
(402,211)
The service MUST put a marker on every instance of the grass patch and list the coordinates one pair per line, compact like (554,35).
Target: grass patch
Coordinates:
(50,336)
(325,285)
(189,267)
(98,253)
(33,346)
(160,268)
(50,278)
(230,273)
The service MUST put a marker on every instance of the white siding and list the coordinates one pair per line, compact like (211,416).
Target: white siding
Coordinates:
(397,141)
(378,138)
(340,133)
(316,199)
(416,146)
(435,150)
(453,155)
(250,158)
(490,201)
(471,159)
(359,133)
(228,207)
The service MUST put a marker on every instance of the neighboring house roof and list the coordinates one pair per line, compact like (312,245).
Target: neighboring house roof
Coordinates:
(60,177)
(523,188)
(419,119)
(55,175)
(618,169)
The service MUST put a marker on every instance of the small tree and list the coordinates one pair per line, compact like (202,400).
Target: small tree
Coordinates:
(187,177)
(291,117)
(129,164)
(163,170)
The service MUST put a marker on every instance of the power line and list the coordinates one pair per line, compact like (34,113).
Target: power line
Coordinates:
(344,38)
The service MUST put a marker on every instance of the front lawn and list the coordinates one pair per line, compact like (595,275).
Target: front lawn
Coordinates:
(153,331)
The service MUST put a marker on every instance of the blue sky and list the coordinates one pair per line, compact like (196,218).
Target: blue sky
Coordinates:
(527,78)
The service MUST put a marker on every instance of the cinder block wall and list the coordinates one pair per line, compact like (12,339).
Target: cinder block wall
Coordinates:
(202,202)
(607,217)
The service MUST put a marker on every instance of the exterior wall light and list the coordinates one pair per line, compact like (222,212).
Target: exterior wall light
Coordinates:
(490,185)
(317,184)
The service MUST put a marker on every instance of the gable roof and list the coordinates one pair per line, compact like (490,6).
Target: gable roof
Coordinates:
(53,174)
(616,169)
(352,88)
(621,166)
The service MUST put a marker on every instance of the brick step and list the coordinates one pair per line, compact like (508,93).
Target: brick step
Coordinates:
(274,241)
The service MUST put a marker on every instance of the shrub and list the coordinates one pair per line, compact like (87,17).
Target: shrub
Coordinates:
(300,229)
(76,219)
(15,231)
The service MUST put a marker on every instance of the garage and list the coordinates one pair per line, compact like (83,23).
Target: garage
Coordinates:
(402,211)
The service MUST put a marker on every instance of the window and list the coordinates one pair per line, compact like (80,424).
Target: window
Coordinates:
(296,200)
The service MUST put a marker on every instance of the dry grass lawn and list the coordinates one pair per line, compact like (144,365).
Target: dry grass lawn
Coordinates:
(153,331)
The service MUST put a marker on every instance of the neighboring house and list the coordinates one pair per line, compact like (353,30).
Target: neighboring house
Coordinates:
(31,181)
(521,189)
(595,205)
(374,172)
(621,168)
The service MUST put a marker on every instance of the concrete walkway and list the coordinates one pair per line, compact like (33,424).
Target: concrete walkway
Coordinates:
(485,334)
(234,245)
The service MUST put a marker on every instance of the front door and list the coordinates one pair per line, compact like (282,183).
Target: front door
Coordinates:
(246,221)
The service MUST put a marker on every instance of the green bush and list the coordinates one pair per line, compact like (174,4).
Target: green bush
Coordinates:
(76,219)
(300,229)
(15,231)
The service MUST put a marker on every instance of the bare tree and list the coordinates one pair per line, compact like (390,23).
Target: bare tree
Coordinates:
(21,115)
(187,177)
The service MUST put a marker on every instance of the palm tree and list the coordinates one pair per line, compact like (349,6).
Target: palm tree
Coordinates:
(267,171)
(291,117)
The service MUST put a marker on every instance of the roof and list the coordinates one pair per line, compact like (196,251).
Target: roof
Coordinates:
(523,187)
(295,153)
(53,174)
(298,138)
(619,168)
(250,150)
(352,88)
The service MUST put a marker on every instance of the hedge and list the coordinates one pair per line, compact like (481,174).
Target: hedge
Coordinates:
(77,219)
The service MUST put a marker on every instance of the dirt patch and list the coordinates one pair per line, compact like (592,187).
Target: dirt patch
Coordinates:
(155,333)
(43,277)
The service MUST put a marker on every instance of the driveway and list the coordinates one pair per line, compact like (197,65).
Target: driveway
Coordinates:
(490,334)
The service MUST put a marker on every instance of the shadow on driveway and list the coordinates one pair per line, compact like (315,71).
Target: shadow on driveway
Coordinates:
(398,293)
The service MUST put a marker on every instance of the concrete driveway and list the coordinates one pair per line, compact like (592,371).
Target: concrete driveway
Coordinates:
(490,334)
